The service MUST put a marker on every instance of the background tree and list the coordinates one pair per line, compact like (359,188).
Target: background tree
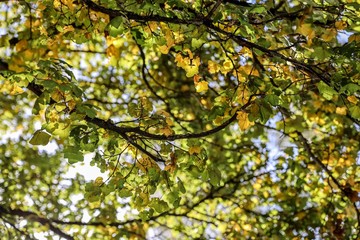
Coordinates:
(213,119)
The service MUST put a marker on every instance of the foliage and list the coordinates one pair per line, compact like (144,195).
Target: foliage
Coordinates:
(212,119)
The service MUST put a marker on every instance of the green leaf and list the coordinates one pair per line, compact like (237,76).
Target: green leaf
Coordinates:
(215,176)
(133,109)
(326,91)
(159,205)
(320,53)
(355,112)
(124,193)
(171,197)
(73,155)
(87,109)
(181,186)
(40,138)
(272,99)
(196,43)
(350,88)
(117,21)
(265,112)
(258,9)
(116,26)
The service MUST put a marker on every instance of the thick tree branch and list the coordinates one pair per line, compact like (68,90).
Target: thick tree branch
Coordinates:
(31,216)
(141,133)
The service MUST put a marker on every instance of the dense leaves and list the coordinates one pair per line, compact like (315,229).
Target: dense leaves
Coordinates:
(209,119)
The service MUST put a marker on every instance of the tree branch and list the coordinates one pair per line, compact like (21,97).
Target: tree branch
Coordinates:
(31,216)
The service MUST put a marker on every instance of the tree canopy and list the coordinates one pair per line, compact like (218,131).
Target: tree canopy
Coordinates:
(217,119)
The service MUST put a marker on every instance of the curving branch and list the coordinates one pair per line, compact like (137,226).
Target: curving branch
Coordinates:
(31,216)
(141,133)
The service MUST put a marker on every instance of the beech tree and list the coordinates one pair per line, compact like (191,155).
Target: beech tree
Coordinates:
(223,119)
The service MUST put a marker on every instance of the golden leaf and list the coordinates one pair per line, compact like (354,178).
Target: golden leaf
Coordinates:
(167,131)
(340,25)
(98,181)
(306,30)
(15,90)
(112,51)
(71,104)
(164,49)
(213,67)
(68,28)
(146,163)
(352,99)
(194,150)
(21,45)
(218,120)
(243,120)
(201,86)
(227,66)
(341,110)
(57,95)
(354,38)
(329,35)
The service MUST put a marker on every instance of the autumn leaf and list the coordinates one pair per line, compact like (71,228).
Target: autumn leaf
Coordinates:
(15,90)
(243,120)
(201,86)
(167,131)
(194,150)
(213,67)
(306,30)
(329,35)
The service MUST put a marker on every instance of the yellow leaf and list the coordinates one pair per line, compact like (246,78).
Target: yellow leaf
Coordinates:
(352,99)
(21,45)
(192,66)
(247,227)
(52,115)
(218,120)
(201,86)
(354,38)
(243,95)
(164,49)
(329,35)
(300,215)
(15,89)
(256,186)
(179,60)
(167,131)
(98,181)
(213,67)
(170,168)
(169,122)
(340,25)
(307,31)
(341,110)
(71,104)
(68,28)
(57,95)
(196,78)
(194,150)
(146,163)
(113,51)
(227,66)
(191,71)
(243,120)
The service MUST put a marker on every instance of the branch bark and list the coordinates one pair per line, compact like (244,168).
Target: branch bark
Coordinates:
(31,216)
